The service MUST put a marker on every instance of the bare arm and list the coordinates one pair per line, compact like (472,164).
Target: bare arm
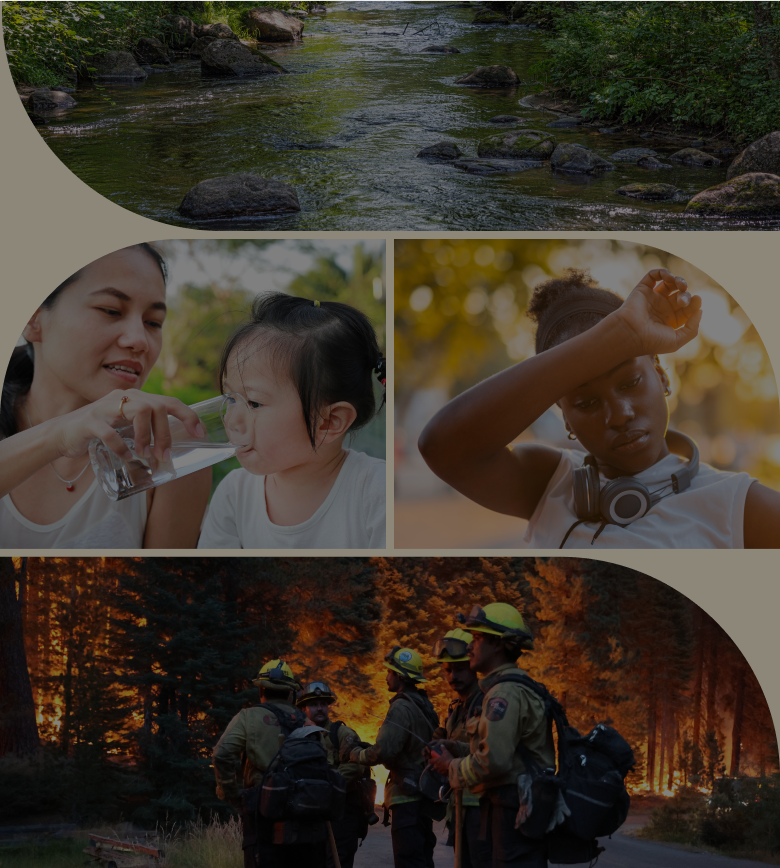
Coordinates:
(177,511)
(465,442)
(762,518)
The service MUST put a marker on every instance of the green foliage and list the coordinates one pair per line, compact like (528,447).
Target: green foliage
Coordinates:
(66,853)
(702,64)
(46,42)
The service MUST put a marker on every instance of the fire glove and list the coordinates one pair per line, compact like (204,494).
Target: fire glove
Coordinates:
(526,799)
(560,812)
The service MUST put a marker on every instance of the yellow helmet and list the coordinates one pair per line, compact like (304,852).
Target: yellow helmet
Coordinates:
(276,674)
(407,663)
(452,648)
(499,619)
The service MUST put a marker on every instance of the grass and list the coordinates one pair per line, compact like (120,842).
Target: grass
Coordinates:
(66,853)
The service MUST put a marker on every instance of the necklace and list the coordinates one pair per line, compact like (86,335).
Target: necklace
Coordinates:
(70,484)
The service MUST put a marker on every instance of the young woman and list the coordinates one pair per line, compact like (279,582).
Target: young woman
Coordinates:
(642,485)
(90,347)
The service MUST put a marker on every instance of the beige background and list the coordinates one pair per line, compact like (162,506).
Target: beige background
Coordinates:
(52,224)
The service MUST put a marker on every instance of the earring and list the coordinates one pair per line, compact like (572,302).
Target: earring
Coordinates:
(571,435)
(667,392)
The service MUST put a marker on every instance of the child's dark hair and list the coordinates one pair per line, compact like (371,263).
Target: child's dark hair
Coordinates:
(559,307)
(19,374)
(328,349)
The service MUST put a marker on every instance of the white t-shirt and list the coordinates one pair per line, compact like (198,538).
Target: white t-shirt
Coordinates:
(709,514)
(93,522)
(352,516)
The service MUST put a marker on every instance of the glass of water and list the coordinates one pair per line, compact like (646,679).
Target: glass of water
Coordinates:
(120,478)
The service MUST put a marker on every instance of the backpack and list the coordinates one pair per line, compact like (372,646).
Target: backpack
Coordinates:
(299,784)
(363,796)
(591,775)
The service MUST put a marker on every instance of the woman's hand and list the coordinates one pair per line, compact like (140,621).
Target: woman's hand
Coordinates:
(660,315)
(147,413)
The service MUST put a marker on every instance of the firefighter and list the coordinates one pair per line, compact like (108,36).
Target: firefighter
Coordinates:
(508,715)
(407,728)
(315,702)
(251,740)
(451,652)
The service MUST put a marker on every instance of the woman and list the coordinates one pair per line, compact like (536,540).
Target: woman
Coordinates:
(90,347)
(641,485)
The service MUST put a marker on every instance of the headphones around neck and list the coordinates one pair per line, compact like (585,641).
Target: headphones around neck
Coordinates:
(625,499)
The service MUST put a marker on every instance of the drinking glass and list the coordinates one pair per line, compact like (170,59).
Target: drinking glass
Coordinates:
(121,478)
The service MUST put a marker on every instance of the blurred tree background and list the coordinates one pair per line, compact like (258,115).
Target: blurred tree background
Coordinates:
(460,317)
(212,284)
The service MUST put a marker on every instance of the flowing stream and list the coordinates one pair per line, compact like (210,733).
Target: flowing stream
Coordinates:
(344,129)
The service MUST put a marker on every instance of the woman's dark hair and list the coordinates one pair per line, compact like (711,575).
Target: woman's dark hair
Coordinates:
(551,299)
(19,374)
(328,349)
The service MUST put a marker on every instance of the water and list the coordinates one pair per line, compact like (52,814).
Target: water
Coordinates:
(345,127)
(120,478)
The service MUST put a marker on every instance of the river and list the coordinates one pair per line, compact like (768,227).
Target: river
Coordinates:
(345,127)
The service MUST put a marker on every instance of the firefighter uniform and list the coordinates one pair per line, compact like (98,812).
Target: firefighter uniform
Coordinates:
(508,714)
(250,742)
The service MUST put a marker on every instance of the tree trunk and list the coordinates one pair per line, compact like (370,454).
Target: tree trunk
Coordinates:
(652,726)
(18,728)
(739,714)
(767,37)
(701,631)
(712,683)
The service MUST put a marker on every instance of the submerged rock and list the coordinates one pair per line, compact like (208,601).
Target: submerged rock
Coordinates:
(507,119)
(239,196)
(112,66)
(565,123)
(273,25)
(442,49)
(476,166)
(607,131)
(441,151)
(487,16)
(180,30)
(755,194)
(491,76)
(652,163)
(762,156)
(518,144)
(227,57)
(568,157)
(631,155)
(150,50)
(50,101)
(649,191)
(694,157)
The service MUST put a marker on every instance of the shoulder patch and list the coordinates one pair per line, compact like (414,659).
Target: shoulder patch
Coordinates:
(496,708)
(270,720)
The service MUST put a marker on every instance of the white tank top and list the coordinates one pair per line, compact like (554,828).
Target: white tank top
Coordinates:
(709,514)
(93,522)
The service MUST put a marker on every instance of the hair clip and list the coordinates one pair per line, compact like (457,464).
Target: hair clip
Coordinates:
(316,304)
(379,370)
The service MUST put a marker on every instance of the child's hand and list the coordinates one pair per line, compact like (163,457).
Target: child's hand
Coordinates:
(660,315)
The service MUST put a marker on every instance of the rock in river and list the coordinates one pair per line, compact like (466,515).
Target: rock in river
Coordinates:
(694,157)
(50,101)
(273,25)
(649,191)
(227,57)
(238,196)
(180,30)
(487,16)
(756,194)
(762,156)
(631,155)
(507,119)
(578,160)
(442,49)
(112,66)
(218,30)
(565,123)
(518,144)
(494,167)
(441,151)
(491,76)
(652,163)
(150,50)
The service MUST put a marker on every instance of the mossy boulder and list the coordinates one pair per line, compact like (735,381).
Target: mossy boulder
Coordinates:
(694,157)
(762,156)
(45,100)
(649,191)
(631,155)
(152,51)
(491,76)
(237,196)
(273,25)
(217,30)
(756,194)
(441,152)
(518,145)
(179,31)
(578,160)
(112,66)
(226,57)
